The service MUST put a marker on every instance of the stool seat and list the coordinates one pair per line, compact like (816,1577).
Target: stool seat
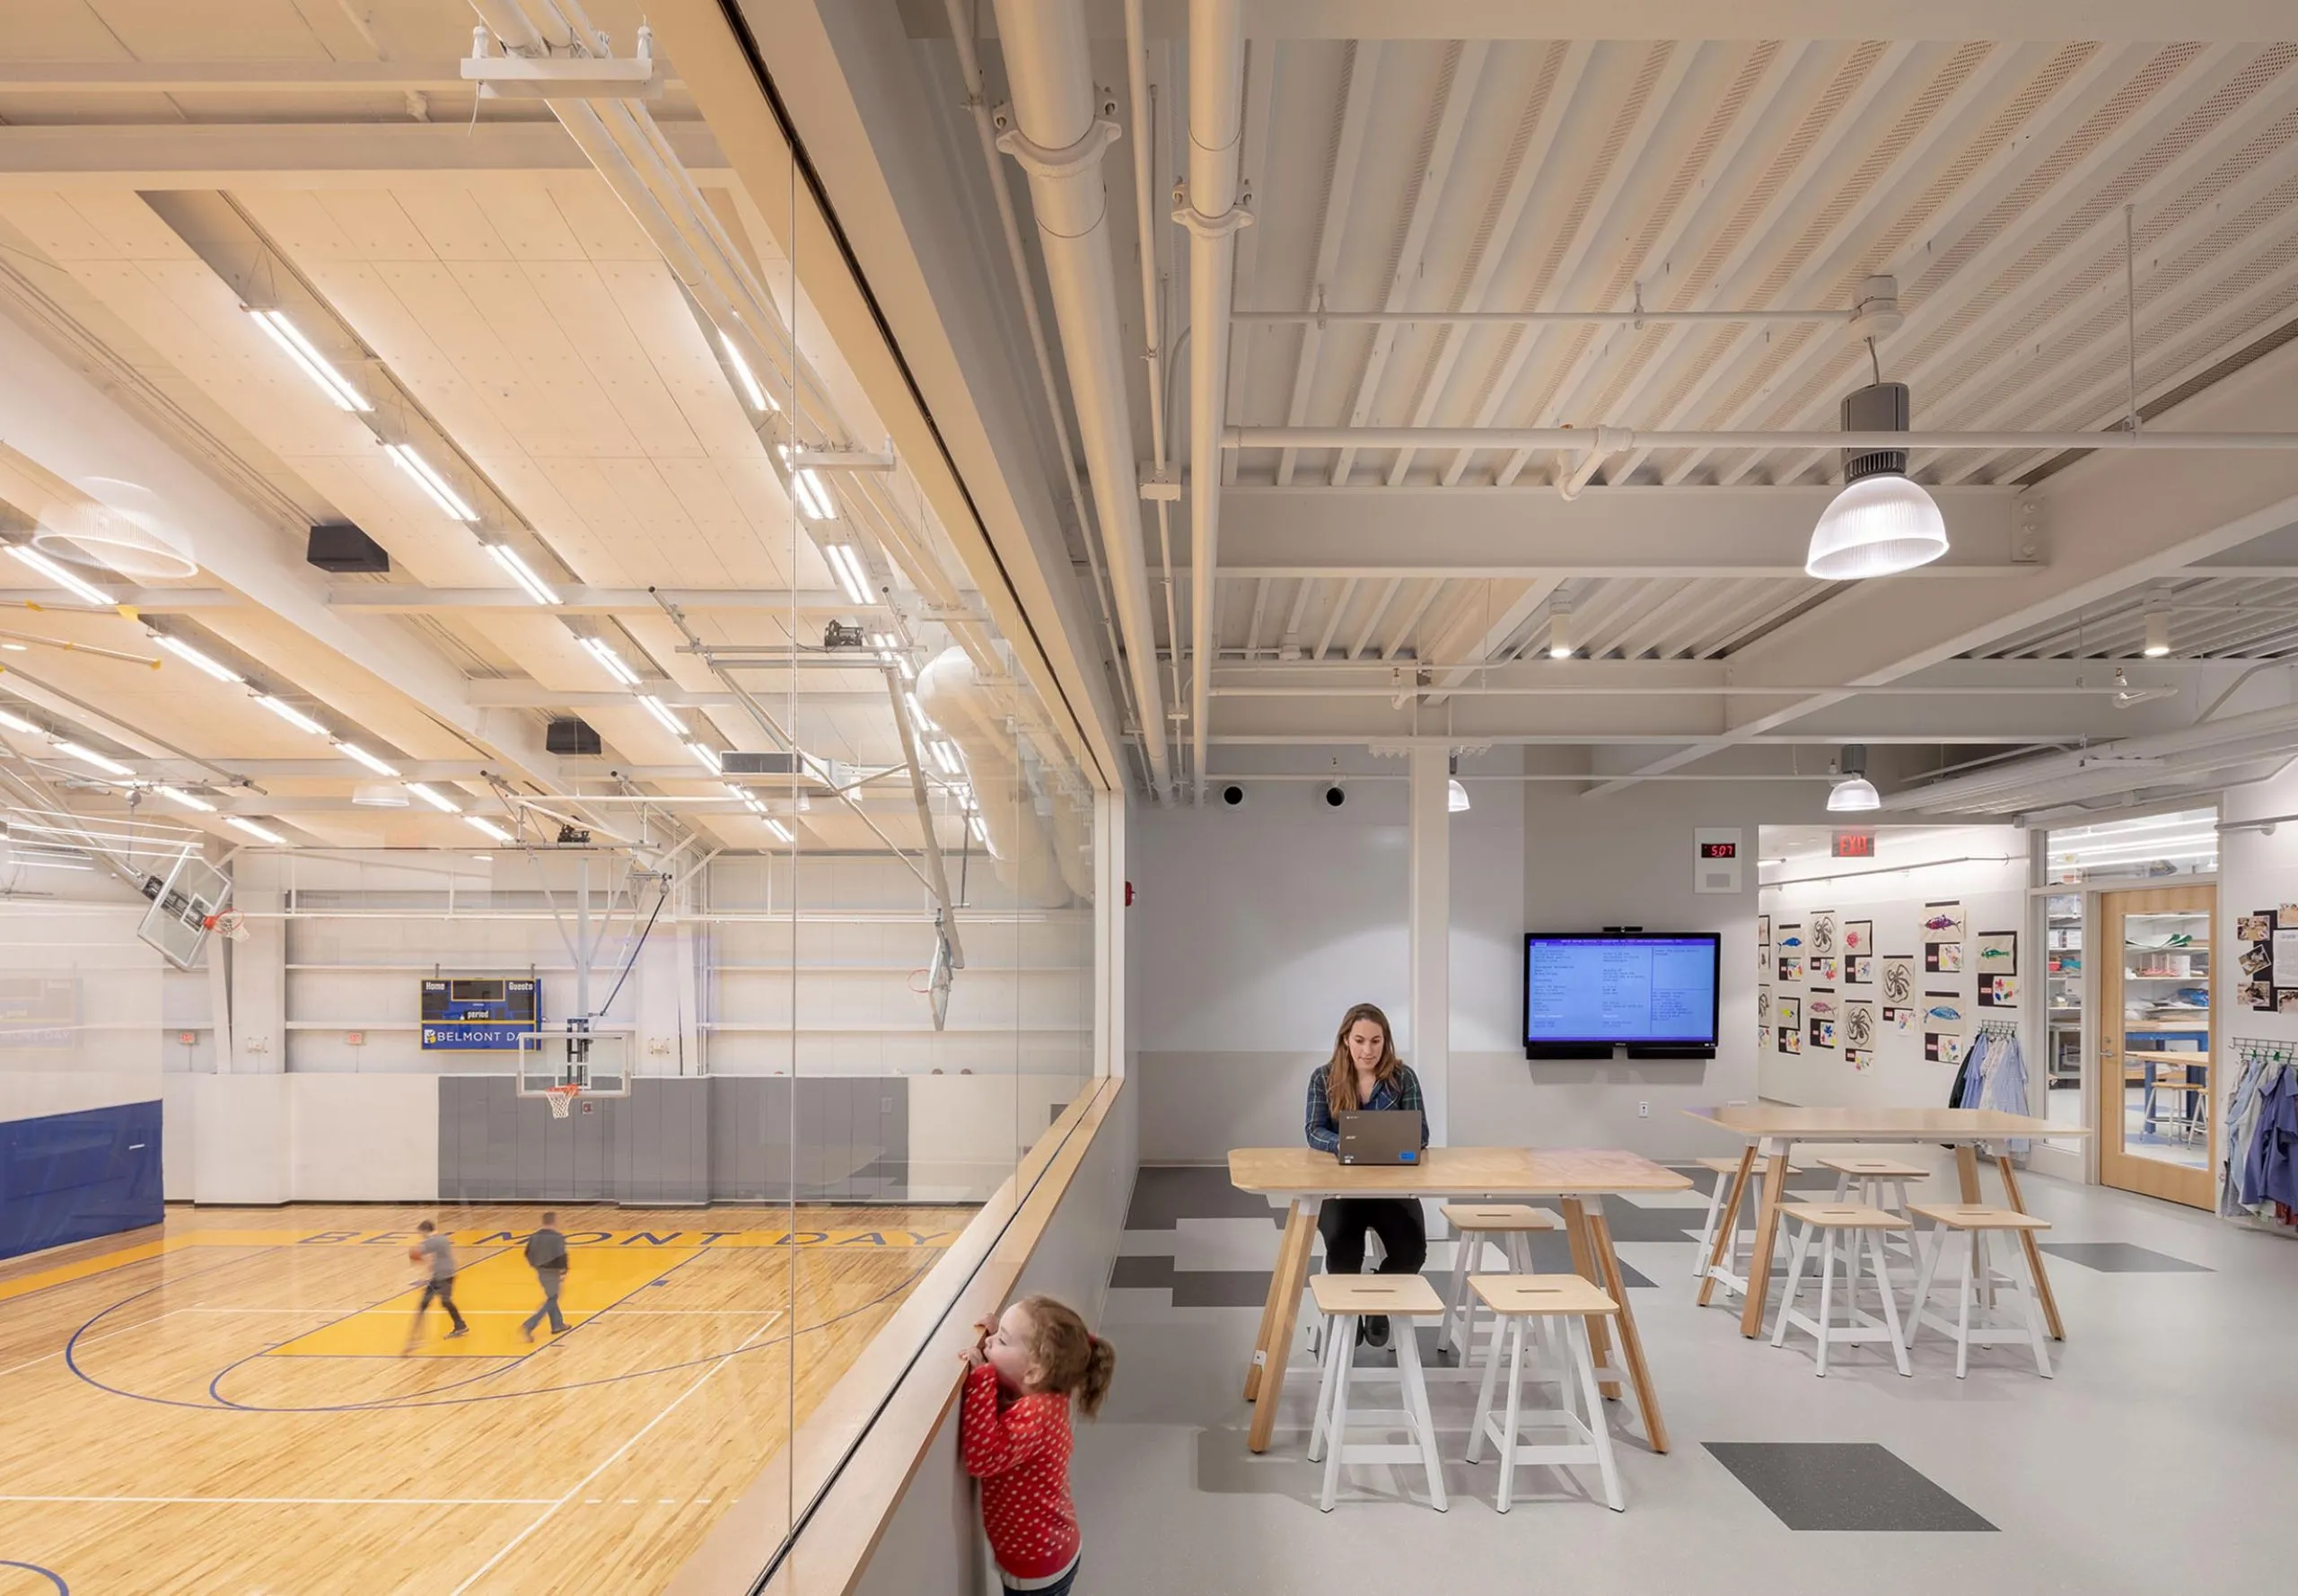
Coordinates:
(1978,1216)
(1844,1216)
(1731,1166)
(1515,1295)
(1876,1169)
(1404,1296)
(1499,1217)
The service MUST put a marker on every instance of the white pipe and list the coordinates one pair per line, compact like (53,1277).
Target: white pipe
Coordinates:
(1059,137)
(2255,735)
(1571,440)
(985,133)
(967,712)
(1137,54)
(1519,318)
(1210,211)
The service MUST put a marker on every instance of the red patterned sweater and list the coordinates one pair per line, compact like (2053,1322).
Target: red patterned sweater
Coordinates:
(1019,1452)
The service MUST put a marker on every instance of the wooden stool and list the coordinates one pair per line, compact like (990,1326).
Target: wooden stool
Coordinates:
(1551,1302)
(1978,1279)
(1849,1222)
(1343,1300)
(1882,1184)
(1513,1224)
(1726,1270)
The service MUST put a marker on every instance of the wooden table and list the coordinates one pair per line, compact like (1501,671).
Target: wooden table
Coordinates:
(1773,1128)
(1304,1178)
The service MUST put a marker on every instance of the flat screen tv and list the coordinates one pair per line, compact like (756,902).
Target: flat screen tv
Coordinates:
(1587,992)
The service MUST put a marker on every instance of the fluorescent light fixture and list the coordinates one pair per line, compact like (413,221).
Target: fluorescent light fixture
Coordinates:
(743,793)
(760,400)
(481,823)
(782,833)
(890,651)
(1851,796)
(600,650)
(532,584)
(847,565)
(192,800)
(29,863)
(707,757)
(87,593)
(980,829)
(813,498)
(88,756)
(352,750)
(432,796)
(2158,633)
(260,833)
(1877,526)
(314,365)
(17,722)
(946,756)
(427,476)
(1456,796)
(918,717)
(662,712)
(1559,630)
(192,656)
(294,716)
(16,647)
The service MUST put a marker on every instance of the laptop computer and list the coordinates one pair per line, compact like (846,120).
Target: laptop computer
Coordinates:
(1379,1136)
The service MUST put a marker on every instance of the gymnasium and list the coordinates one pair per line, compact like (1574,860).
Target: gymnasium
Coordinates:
(1538,742)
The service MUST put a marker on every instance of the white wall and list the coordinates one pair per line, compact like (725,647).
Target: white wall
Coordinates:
(1993,896)
(2256,871)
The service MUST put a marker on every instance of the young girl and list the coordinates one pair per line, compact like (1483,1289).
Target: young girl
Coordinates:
(1014,1433)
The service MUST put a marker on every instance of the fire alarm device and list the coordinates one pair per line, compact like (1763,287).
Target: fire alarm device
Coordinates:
(1716,863)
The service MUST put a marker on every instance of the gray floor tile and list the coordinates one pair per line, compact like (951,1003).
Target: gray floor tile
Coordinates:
(2123,1258)
(1163,1193)
(1842,1486)
(1192,1288)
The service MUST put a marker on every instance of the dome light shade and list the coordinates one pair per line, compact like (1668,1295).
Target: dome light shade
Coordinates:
(1875,527)
(1846,797)
(2158,633)
(1456,796)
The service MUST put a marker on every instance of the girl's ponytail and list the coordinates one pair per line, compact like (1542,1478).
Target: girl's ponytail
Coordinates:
(1077,1363)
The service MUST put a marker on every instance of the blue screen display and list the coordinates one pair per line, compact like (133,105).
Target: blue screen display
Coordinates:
(1620,989)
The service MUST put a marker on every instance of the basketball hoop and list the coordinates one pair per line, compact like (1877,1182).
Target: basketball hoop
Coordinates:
(561,1098)
(230,924)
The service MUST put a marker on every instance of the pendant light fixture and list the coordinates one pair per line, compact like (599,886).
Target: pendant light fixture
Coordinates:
(1882,522)
(1854,793)
(2158,630)
(1456,796)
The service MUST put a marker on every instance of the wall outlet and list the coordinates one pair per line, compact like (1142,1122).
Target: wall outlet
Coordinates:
(1644,1111)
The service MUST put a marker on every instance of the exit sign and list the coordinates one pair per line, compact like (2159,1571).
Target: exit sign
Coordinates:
(1854,844)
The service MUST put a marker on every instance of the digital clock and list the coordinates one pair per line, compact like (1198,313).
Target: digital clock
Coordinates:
(1719,850)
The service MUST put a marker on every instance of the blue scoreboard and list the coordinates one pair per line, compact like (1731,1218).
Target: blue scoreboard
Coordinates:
(485,1014)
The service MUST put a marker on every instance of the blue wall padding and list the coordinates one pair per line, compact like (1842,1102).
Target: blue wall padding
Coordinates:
(69,1177)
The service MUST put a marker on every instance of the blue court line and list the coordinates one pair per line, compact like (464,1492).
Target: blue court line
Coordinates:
(396,1403)
(49,1575)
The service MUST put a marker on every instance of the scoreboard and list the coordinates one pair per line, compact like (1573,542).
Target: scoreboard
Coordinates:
(480,1014)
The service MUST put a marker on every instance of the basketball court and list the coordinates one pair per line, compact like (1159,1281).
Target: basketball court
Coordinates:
(265,1425)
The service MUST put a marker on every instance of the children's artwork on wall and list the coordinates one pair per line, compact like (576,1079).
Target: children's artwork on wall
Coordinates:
(2257,926)
(1899,979)
(1998,992)
(1859,1025)
(1858,937)
(1763,931)
(2258,995)
(2255,957)
(1942,959)
(1790,968)
(1860,1059)
(1900,1019)
(1791,1039)
(1822,967)
(1943,921)
(2287,1000)
(1942,1011)
(1940,1047)
(1859,969)
(1822,933)
(1995,953)
(1822,1033)
(1788,1012)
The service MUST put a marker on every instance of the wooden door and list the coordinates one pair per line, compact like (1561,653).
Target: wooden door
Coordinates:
(2158,1135)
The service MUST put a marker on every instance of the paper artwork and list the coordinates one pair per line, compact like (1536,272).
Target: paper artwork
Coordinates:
(1899,979)
(1941,1046)
(1943,921)
(1998,992)
(1859,1025)
(1941,958)
(1995,953)
(1859,969)
(1822,933)
(1858,936)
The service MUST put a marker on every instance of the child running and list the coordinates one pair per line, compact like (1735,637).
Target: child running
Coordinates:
(1014,1433)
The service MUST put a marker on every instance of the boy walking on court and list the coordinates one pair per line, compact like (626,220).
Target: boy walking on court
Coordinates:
(439,1252)
(547,1256)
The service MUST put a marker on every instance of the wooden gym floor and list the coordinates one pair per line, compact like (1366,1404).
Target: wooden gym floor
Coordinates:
(223,1405)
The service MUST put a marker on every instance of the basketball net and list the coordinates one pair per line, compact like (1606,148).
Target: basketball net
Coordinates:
(230,924)
(561,1098)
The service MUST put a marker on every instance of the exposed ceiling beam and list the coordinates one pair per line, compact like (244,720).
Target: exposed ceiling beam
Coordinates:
(528,695)
(413,598)
(194,77)
(240,155)
(1955,19)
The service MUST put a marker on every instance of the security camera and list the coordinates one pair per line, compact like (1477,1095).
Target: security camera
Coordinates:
(1232,795)
(1334,797)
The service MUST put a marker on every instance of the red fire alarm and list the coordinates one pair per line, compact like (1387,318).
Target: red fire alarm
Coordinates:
(1128,894)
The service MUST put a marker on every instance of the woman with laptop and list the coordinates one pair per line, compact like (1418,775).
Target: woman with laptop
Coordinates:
(1364,1075)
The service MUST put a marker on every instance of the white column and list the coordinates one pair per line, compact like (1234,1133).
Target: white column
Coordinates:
(1430,918)
(1109,934)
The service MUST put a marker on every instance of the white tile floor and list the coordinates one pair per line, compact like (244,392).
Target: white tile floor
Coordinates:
(2185,1381)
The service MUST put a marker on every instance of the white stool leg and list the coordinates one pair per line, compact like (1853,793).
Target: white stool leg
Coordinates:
(2028,1307)
(1576,1332)
(1827,1300)
(1842,1185)
(1466,1245)
(1928,1245)
(1971,1265)
(1800,1250)
(1416,1403)
(1890,1302)
(1344,1344)
(1516,1408)
(1325,1383)
(1484,1394)
(1707,1230)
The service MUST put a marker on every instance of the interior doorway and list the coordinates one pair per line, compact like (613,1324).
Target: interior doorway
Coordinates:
(2157,988)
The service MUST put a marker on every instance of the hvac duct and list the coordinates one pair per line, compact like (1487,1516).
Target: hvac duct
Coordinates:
(953,696)
(1212,214)
(2166,759)
(1058,137)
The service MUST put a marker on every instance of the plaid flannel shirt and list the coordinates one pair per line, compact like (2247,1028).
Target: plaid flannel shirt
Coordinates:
(1402,1092)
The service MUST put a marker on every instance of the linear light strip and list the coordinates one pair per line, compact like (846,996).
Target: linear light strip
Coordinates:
(440,491)
(352,750)
(313,363)
(432,796)
(481,823)
(294,716)
(662,713)
(89,756)
(87,593)
(535,587)
(260,833)
(190,801)
(760,400)
(600,650)
(192,656)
